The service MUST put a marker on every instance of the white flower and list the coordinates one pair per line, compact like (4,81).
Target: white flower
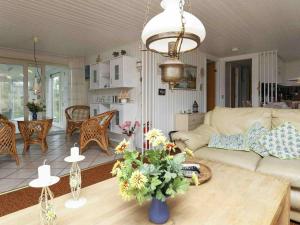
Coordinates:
(153,134)
(159,141)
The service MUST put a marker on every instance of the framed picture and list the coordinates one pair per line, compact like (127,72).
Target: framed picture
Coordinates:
(189,81)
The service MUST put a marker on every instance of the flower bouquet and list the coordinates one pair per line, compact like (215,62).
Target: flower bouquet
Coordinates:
(155,175)
(34,108)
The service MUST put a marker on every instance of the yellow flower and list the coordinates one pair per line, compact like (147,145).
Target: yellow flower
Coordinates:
(189,152)
(159,141)
(153,134)
(124,187)
(138,180)
(116,167)
(122,147)
(195,179)
(170,146)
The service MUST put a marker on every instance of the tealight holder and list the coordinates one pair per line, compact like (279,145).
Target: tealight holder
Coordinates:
(75,179)
(44,181)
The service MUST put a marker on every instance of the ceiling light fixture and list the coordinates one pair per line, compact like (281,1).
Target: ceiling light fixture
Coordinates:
(170,33)
(235,49)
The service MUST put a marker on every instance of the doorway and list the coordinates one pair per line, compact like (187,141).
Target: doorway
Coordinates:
(211,85)
(56,95)
(238,83)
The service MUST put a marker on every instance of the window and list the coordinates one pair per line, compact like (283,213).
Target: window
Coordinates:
(12,91)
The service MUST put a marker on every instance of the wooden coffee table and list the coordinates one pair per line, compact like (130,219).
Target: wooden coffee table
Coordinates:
(232,197)
(35,132)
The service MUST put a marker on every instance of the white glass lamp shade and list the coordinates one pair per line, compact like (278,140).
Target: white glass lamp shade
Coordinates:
(165,27)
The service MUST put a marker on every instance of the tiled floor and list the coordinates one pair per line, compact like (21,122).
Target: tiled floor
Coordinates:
(13,176)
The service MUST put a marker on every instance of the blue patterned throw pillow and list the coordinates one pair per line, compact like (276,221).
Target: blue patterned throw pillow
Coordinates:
(283,142)
(231,142)
(252,136)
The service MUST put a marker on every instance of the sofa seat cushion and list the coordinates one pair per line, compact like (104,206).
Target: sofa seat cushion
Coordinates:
(288,169)
(246,160)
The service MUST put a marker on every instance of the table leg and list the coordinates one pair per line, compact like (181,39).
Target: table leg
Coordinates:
(284,218)
(44,145)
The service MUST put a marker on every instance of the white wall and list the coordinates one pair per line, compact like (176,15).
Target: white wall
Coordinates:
(292,69)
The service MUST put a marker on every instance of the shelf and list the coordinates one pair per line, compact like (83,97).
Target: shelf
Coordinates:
(110,88)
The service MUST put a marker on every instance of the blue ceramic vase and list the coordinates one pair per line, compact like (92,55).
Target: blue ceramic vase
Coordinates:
(34,116)
(158,212)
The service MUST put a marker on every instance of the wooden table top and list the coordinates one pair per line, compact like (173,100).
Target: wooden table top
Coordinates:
(232,197)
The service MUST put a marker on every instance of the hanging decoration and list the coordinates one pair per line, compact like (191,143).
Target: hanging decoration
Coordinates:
(37,77)
(170,33)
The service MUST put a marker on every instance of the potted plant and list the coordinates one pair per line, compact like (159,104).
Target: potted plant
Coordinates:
(34,108)
(129,130)
(155,175)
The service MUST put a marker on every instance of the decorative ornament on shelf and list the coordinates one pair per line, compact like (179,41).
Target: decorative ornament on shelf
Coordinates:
(170,33)
(115,54)
(156,174)
(123,96)
(44,181)
(98,59)
(75,179)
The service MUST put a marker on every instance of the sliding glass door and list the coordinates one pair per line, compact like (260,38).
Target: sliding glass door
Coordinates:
(12,91)
(16,89)
(56,94)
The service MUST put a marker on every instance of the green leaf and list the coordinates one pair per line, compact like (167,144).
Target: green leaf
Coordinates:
(180,185)
(154,183)
(160,196)
(169,176)
(170,191)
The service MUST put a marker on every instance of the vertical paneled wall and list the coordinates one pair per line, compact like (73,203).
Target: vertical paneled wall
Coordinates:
(268,76)
(160,110)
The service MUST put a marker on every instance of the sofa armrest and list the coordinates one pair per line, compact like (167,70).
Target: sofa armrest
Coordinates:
(194,139)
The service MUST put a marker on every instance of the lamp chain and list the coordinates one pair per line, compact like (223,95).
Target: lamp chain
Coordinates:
(189,3)
(146,18)
(35,61)
(181,35)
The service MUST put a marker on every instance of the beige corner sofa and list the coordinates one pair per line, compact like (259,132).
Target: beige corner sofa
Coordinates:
(229,121)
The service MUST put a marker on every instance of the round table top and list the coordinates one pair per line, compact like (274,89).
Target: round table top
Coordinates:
(29,119)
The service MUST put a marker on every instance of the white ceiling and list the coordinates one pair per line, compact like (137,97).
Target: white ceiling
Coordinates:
(83,27)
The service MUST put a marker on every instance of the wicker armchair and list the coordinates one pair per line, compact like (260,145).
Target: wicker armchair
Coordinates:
(8,138)
(95,129)
(75,115)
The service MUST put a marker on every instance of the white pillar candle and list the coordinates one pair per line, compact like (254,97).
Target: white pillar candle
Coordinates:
(74,152)
(44,172)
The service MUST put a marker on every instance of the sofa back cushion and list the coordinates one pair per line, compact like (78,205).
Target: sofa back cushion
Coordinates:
(231,121)
(280,116)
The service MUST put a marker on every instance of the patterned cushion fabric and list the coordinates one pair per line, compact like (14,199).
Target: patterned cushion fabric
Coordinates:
(252,136)
(283,142)
(231,142)
(80,114)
